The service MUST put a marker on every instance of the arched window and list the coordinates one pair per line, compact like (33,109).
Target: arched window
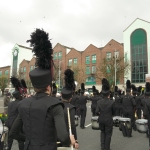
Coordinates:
(138,56)
(90,80)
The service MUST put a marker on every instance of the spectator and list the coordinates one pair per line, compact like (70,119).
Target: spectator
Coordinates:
(6,102)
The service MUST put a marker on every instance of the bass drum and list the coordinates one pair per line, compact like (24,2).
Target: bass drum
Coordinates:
(142,125)
(116,121)
(95,123)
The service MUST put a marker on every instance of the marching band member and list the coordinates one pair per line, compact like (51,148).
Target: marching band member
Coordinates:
(67,93)
(106,110)
(138,102)
(41,115)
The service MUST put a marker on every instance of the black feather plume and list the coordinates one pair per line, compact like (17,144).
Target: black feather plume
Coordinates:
(42,48)
(128,84)
(94,88)
(69,79)
(105,85)
(133,87)
(82,86)
(116,88)
(147,86)
(23,83)
(15,82)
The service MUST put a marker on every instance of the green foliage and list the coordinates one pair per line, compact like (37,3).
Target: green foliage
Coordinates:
(107,69)
(4,80)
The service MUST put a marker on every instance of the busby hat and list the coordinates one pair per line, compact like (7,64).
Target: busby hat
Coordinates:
(147,89)
(18,87)
(116,90)
(23,83)
(128,86)
(134,89)
(94,90)
(82,88)
(105,87)
(69,87)
(54,88)
(41,76)
(139,90)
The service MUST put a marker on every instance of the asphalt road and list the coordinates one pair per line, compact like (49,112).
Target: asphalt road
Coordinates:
(90,139)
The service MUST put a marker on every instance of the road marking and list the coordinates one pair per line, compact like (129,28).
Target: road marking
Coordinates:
(88,125)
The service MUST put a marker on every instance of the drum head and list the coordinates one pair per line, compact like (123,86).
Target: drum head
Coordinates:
(116,117)
(141,121)
(124,119)
(95,118)
(65,148)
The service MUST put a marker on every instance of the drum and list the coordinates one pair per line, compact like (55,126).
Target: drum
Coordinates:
(95,123)
(116,121)
(125,120)
(65,148)
(142,125)
(76,120)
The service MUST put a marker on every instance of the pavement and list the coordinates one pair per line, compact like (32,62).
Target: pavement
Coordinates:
(89,139)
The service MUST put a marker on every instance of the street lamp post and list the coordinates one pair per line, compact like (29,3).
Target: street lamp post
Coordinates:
(59,74)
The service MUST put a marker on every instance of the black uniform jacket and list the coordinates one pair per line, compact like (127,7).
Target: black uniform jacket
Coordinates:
(105,108)
(82,102)
(42,117)
(12,112)
(146,110)
(94,100)
(128,102)
(72,118)
(138,102)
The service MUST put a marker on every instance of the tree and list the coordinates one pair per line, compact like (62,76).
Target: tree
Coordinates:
(4,81)
(107,69)
(79,74)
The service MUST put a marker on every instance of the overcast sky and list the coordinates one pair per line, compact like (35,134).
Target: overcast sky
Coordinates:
(73,23)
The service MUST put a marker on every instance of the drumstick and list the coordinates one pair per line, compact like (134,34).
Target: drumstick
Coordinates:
(69,123)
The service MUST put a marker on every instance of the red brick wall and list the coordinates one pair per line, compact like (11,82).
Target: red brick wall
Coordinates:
(3,69)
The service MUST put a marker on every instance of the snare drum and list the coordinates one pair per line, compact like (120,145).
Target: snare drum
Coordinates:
(76,120)
(65,148)
(95,123)
(142,125)
(116,121)
(125,120)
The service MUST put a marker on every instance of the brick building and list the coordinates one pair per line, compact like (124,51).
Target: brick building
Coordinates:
(5,71)
(90,59)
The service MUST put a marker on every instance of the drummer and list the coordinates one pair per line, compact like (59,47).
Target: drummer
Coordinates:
(67,93)
(41,115)
(146,110)
(106,110)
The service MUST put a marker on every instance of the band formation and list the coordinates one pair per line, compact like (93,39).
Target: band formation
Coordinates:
(46,122)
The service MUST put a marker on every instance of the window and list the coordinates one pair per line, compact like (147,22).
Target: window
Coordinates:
(31,68)
(108,69)
(55,56)
(108,55)
(116,53)
(87,59)
(75,60)
(6,72)
(90,80)
(24,69)
(139,56)
(70,62)
(60,55)
(87,69)
(93,59)
(93,69)
(21,69)
(0,73)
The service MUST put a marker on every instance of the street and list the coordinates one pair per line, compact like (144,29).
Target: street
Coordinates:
(90,139)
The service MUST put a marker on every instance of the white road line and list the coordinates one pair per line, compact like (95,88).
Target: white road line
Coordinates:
(88,125)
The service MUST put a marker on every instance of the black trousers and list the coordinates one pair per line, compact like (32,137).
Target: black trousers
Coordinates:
(139,113)
(106,127)
(83,116)
(93,111)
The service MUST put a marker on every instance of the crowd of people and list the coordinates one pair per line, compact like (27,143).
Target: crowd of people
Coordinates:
(40,121)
